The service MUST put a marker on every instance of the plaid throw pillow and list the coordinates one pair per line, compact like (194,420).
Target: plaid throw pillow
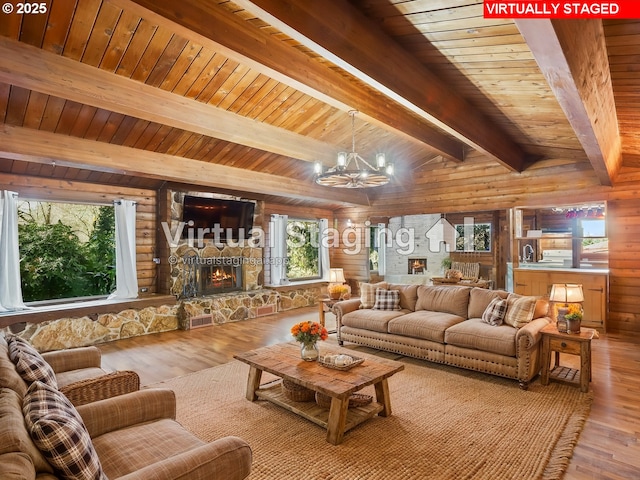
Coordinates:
(29,363)
(519,310)
(368,293)
(59,433)
(387,299)
(495,312)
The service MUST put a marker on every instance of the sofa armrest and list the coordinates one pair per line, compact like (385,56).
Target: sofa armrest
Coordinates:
(98,388)
(345,306)
(531,331)
(73,358)
(228,458)
(129,409)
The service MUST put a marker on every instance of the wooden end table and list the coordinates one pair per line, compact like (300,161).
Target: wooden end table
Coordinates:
(571,343)
(325,305)
(283,360)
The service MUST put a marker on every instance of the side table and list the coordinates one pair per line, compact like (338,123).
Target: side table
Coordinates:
(325,305)
(570,343)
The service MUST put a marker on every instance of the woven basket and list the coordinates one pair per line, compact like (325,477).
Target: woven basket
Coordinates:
(355,400)
(296,392)
(99,388)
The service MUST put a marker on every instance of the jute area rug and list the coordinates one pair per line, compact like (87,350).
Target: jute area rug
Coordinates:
(446,423)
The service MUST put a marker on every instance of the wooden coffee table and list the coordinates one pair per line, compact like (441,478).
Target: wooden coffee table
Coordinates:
(283,360)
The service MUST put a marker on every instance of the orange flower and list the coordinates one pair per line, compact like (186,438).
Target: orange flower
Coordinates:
(308,331)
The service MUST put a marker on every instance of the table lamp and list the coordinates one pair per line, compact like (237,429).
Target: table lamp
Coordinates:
(336,286)
(562,295)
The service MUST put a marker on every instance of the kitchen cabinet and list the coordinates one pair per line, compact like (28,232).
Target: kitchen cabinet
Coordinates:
(538,281)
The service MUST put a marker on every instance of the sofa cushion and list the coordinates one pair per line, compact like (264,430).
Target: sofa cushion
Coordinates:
(477,335)
(424,324)
(408,295)
(375,320)
(479,299)
(14,434)
(520,310)
(368,293)
(73,376)
(541,309)
(495,312)
(131,449)
(447,299)
(387,299)
(58,431)
(29,363)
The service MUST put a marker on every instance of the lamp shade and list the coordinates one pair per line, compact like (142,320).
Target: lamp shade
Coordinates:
(566,293)
(336,275)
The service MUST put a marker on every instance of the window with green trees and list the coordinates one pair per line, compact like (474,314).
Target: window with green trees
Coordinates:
(473,237)
(303,249)
(66,250)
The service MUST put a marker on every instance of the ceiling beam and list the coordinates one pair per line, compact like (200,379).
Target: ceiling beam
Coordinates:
(572,55)
(36,146)
(337,31)
(212,26)
(36,69)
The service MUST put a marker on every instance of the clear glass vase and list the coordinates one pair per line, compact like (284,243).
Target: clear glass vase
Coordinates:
(309,351)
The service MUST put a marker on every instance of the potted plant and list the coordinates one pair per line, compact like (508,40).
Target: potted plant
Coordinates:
(337,290)
(446,263)
(573,318)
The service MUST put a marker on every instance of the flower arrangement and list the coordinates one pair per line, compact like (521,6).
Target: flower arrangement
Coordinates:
(336,290)
(574,312)
(309,332)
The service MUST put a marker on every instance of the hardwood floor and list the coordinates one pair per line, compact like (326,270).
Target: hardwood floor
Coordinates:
(608,447)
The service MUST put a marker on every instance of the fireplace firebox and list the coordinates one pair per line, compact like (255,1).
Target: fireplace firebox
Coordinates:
(220,276)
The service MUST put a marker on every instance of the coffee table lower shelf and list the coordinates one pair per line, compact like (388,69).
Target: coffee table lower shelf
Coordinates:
(314,412)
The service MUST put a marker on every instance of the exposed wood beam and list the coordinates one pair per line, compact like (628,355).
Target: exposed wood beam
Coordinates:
(32,68)
(17,143)
(572,55)
(208,24)
(336,30)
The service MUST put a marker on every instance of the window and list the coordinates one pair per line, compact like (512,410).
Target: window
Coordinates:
(473,237)
(303,253)
(66,250)
(374,248)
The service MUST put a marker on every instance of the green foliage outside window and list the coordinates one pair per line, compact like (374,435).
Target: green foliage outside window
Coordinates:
(302,249)
(58,260)
(481,238)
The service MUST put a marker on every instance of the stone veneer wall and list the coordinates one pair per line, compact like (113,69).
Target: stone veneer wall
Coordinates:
(231,307)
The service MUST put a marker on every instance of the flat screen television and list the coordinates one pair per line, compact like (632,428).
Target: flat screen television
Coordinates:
(235,217)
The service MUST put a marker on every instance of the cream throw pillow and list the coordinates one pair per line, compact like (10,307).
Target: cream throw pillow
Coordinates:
(519,310)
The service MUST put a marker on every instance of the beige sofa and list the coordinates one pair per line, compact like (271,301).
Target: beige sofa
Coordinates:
(133,435)
(444,324)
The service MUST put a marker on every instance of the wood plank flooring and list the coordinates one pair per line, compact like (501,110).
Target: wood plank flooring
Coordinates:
(608,448)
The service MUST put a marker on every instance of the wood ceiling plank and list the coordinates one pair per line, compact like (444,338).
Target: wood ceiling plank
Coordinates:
(214,27)
(105,24)
(17,105)
(166,61)
(152,53)
(573,57)
(119,41)
(60,14)
(83,20)
(43,148)
(35,109)
(84,84)
(68,117)
(85,117)
(141,38)
(375,59)
(110,127)
(180,67)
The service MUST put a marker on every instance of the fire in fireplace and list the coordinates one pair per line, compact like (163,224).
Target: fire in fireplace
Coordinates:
(220,277)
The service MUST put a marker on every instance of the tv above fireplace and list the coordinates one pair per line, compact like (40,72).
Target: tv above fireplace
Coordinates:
(235,217)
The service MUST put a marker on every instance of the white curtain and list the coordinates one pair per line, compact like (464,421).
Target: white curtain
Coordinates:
(10,285)
(323,252)
(278,269)
(381,238)
(126,272)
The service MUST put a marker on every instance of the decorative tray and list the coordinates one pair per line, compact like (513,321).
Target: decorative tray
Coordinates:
(329,361)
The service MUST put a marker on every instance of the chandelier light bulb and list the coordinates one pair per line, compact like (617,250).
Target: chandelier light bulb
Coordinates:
(317,168)
(381,160)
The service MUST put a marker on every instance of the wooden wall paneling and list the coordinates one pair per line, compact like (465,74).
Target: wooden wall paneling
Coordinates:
(623,222)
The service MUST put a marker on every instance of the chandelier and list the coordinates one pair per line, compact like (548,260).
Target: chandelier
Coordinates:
(353,171)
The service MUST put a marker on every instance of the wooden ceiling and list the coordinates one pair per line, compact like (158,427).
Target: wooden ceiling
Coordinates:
(242,96)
